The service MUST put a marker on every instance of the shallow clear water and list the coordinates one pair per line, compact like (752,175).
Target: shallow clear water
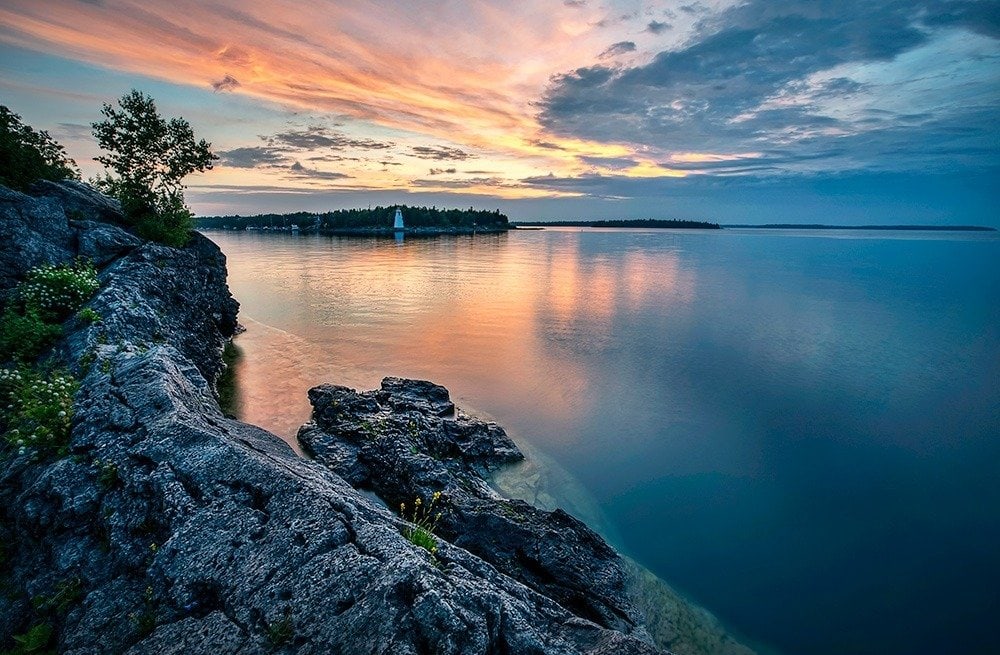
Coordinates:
(800,430)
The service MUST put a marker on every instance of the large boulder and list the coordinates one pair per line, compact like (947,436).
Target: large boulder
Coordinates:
(54,224)
(402,442)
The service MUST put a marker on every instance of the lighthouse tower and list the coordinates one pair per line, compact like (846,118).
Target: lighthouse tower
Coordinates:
(397,223)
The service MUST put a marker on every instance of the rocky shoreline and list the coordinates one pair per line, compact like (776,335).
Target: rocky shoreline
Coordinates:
(169,527)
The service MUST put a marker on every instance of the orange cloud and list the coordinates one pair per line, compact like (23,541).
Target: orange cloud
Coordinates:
(466,73)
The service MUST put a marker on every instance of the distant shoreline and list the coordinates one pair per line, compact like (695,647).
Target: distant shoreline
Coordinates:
(642,223)
(912,228)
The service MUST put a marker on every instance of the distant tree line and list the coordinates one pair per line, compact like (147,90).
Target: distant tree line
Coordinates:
(914,228)
(373,217)
(645,222)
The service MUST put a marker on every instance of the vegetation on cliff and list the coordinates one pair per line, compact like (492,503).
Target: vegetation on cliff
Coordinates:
(147,157)
(32,317)
(27,155)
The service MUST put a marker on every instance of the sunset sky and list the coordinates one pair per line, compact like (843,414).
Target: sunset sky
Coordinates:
(833,111)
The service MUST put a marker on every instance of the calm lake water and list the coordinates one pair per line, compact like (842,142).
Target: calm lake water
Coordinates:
(799,430)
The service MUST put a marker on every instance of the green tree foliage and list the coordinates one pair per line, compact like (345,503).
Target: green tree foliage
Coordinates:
(147,158)
(27,155)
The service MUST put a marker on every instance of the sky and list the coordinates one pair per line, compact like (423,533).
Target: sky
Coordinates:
(733,111)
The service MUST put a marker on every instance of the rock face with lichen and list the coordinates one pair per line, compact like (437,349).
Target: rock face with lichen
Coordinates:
(170,528)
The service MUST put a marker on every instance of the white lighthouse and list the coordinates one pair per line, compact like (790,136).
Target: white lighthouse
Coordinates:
(397,223)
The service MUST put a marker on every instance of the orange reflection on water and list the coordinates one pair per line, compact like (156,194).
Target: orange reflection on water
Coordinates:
(500,321)
(645,276)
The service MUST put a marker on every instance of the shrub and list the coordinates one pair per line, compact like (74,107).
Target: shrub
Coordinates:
(107,474)
(36,410)
(144,619)
(88,315)
(55,292)
(35,640)
(279,632)
(27,155)
(30,324)
(23,337)
(170,224)
(64,596)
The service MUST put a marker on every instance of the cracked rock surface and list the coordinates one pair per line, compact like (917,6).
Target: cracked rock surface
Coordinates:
(404,442)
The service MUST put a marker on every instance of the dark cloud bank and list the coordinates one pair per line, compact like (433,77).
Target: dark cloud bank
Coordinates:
(709,95)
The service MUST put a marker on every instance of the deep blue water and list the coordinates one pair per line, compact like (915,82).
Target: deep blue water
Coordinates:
(799,430)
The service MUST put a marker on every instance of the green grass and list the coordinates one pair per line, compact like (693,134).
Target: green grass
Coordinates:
(281,631)
(423,519)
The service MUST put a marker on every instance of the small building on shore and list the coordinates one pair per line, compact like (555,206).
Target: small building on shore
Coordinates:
(397,223)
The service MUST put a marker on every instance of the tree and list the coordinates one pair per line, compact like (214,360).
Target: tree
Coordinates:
(27,155)
(147,158)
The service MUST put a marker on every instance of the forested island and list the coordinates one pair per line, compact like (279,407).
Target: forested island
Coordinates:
(640,223)
(374,220)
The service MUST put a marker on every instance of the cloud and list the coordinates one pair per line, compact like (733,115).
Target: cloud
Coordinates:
(300,171)
(332,158)
(74,131)
(618,163)
(616,49)
(252,157)
(796,80)
(227,83)
(340,65)
(546,145)
(317,136)
(469,183)
(442,171)
(811,87)
(657,27)
(284,149)
(440,153)
(982,17)
(575,3)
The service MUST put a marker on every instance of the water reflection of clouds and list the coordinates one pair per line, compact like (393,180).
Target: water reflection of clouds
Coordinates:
(590,295)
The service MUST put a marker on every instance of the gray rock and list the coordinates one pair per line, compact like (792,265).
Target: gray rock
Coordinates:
(55,223)
(395,442)
(34,231)
(80,201)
